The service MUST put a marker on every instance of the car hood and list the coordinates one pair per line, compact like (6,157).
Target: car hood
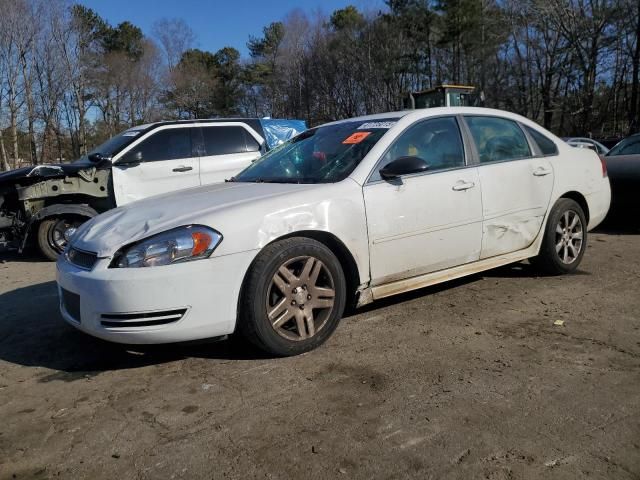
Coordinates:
(108,232)
(36,172)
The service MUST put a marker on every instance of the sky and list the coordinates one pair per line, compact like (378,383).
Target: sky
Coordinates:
(216,23)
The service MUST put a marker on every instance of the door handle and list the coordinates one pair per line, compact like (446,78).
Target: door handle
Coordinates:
(182,169)
(460,186)
(541,172)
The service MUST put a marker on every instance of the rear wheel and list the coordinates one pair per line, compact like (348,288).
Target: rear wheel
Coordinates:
(53,233)
(565,239)
(293,297)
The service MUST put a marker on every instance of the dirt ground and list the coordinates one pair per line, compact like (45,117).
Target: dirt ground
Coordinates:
(471,379)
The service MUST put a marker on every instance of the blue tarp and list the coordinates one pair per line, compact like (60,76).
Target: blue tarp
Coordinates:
(279,131)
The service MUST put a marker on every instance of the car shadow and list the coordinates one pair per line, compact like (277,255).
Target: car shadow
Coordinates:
(27,256)
(616,229)
(33,333)
(619,223)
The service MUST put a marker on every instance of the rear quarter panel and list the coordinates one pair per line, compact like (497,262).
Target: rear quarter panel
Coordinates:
(580,170)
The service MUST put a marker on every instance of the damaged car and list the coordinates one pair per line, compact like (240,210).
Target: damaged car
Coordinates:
(47,203)
(346,213)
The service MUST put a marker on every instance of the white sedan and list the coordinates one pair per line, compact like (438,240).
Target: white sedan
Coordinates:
(345,213)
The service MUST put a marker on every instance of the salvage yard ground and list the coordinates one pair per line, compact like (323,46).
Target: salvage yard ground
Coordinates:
(471,379)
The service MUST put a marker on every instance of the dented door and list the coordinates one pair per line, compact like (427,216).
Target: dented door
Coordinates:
(515,199)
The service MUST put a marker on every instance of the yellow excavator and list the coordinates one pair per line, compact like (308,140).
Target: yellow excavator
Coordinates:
(445,96)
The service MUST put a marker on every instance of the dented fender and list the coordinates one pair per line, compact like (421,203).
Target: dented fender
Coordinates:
(248,215)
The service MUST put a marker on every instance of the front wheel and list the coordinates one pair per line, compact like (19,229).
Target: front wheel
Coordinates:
(565,239)
(53,234)
(293,298)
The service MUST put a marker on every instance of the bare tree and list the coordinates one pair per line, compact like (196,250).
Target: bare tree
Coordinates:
(175,37)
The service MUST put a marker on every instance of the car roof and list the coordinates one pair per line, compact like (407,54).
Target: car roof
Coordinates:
(438,111)
(377,116)
(197,120)
(252,122)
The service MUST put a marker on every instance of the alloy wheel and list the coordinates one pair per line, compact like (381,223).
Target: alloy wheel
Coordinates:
(300,298)
(569,236)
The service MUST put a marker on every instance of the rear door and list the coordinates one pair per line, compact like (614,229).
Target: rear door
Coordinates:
(226,150)
(161,162)
(516,184)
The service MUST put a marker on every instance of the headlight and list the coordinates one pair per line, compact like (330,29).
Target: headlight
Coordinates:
(181,244)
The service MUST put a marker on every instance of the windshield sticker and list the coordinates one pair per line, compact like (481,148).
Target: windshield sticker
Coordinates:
(355,138)
(368,125)
(132,133)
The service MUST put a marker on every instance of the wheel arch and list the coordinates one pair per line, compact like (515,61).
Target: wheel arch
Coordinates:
(342,253)
(55,210)
(337,247)
(580,200)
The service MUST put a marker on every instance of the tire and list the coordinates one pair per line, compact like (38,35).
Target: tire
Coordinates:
(563,245)
(51,241)
(291,313)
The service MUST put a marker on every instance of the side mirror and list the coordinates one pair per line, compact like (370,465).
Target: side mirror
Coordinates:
(98,158)
(130,160)
(403,166)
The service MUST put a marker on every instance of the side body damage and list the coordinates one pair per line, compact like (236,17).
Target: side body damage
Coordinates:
(71,193)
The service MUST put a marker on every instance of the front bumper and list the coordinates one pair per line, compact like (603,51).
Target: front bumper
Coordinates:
(172,303)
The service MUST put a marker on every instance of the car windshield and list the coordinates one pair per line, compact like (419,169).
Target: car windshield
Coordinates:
(628,146)
(114,144)
(320,155)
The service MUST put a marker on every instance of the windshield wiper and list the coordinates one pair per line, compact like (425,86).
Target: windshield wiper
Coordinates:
(278,180)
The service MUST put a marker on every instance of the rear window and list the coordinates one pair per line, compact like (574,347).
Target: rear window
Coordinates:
(498,139)
(224,140)
(546,145)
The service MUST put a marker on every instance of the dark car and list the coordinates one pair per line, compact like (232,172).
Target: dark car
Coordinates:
(623,165)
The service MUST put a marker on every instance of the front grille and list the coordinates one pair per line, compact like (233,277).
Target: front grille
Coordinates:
(71,304)
(81,258)
(143,319)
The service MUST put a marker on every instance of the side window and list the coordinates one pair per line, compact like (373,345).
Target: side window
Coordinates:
(168,144)
(498,139)
(546,145)
(252,143)
(223,140)
(436,141)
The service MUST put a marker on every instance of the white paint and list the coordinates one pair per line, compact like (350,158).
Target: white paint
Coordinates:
(515,198)
(402,236)
(147,179)
(423,224)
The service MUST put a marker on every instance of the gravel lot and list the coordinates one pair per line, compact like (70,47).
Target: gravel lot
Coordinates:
(470,379)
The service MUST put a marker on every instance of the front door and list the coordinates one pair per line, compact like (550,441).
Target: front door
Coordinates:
(161,162)
(516,187)
(429,221)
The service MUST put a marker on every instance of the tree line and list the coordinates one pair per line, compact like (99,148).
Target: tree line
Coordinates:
(69,79)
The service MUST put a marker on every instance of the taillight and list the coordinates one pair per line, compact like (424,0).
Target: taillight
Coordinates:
(604,166)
